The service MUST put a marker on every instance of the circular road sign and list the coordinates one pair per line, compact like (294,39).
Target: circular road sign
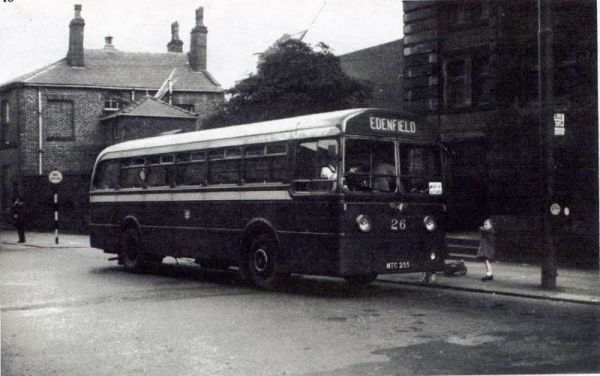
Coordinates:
(555,209)
(55,177)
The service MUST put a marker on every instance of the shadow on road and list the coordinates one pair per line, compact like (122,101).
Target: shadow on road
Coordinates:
(319,287)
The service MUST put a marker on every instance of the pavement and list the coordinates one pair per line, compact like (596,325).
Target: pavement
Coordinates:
(510,279)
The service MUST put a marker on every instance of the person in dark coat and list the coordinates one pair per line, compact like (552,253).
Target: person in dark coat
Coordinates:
(487,248)
(18,214)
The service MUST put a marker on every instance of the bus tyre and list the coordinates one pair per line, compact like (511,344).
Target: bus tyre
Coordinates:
(131,250)
(360,279)
(262,266)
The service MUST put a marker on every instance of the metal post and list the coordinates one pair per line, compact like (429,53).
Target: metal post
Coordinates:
(55,213)
(546,120)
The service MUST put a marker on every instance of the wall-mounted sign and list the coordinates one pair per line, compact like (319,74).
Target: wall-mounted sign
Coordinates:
(559,124)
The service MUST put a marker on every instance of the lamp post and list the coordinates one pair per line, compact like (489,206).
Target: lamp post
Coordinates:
(546,123)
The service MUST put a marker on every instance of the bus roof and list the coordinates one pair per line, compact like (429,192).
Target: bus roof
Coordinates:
(314,125)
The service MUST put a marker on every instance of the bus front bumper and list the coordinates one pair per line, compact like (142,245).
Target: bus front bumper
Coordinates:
(365,255)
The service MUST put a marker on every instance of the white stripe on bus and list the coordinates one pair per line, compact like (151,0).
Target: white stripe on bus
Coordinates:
(194,196)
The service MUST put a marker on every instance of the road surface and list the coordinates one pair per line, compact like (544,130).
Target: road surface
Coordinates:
(72,312)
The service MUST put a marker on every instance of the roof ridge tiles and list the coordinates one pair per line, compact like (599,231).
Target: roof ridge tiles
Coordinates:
(139,70)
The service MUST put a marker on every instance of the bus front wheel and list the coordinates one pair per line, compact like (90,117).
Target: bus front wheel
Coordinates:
(360,279)
(262,264)
(131,251)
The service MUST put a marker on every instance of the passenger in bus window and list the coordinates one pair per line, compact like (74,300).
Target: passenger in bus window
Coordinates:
(328,172)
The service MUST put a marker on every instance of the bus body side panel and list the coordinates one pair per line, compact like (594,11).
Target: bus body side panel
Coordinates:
(156,226)
(397,242)
(194,228)
(220,228)
(103,228)
(313,235)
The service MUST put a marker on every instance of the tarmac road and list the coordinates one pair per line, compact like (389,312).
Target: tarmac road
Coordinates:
(72,312)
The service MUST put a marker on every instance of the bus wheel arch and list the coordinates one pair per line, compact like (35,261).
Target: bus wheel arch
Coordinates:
(130,247)
(261,262)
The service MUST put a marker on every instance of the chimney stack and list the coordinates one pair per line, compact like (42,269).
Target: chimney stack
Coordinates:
(75,54)
(197,55)
(108,46)
(175,45)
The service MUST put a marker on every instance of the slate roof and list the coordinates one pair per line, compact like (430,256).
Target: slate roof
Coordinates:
(151,107)
(123,70)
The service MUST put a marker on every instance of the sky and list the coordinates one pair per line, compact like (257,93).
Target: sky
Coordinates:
(34,33)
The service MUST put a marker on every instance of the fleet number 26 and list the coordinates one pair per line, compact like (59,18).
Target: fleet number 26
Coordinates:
(398,224)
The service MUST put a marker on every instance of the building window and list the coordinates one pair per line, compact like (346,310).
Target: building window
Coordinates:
(113,103)
(467,82)
(4,188)
(60,120)
(457,83)
(4,121)
(466,13)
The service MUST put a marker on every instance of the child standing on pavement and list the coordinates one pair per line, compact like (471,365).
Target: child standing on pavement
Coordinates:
(487,248)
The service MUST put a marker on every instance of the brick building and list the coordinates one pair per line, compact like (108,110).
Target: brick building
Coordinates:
(146,118)
(472,67)
(381,68)
(58,117)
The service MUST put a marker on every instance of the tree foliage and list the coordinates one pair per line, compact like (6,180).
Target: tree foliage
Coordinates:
(292,79)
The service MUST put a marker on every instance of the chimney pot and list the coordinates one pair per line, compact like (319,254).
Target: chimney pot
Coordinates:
(75,56)
(175,30)
(200,16)
(197,55)
(175,45)
(108,43)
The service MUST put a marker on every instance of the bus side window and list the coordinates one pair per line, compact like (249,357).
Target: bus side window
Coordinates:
(133,173)
(265,163)
(256,166)
(160,171)
(191,169)
(311,159)
(225,166)
(107,175)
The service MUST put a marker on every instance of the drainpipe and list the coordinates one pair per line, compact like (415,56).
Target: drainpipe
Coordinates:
(40,135)
(545,36)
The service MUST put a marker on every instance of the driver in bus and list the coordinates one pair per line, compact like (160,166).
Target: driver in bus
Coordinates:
(384,173)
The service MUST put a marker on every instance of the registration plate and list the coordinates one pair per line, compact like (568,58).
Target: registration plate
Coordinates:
(397,265)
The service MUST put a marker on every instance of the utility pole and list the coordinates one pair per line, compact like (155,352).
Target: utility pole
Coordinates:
(545,56)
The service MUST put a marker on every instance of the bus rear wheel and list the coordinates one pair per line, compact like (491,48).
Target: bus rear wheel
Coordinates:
(263,268)
(360,279)
(132,256)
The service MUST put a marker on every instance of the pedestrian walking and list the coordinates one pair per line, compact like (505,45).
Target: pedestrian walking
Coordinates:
(18,215)
(487,248)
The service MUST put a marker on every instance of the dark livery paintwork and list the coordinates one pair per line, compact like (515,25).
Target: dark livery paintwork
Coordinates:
(317,233)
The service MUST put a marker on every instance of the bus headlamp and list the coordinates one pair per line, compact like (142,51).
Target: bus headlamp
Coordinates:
(364,223)
(430,224)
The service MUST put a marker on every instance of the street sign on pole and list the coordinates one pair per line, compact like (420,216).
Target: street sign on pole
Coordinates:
(55,177)
(559,124)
